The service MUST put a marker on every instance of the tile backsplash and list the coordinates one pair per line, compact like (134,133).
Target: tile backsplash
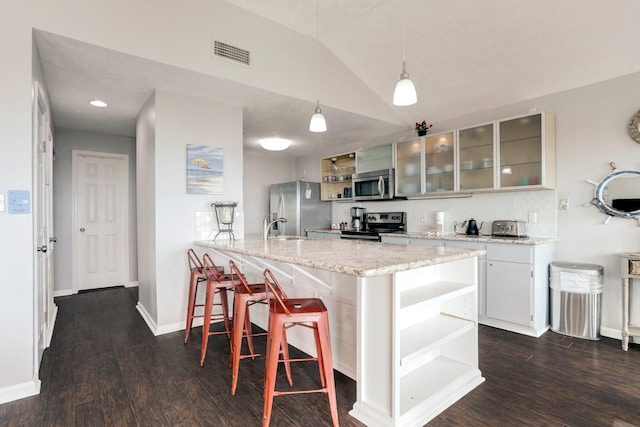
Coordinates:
(483,207)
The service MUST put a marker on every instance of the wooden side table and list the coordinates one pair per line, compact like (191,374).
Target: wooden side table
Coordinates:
(629,270)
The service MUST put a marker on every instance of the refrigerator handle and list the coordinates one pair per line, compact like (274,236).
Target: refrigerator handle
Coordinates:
(281,212)
(281,206)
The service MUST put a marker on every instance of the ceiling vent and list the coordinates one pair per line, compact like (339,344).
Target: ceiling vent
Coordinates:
(233,53)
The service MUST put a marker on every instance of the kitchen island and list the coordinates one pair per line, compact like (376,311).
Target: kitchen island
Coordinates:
(403,319)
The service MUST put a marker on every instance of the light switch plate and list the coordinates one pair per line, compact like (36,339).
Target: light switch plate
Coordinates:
(2,208)
(533,217)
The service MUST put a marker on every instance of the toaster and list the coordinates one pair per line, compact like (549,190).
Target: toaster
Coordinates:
(509,228)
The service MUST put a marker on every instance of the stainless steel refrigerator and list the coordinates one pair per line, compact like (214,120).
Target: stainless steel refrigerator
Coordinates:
(298,202)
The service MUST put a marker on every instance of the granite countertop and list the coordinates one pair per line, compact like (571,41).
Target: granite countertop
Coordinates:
(484,239)
(357,258)
(463,237)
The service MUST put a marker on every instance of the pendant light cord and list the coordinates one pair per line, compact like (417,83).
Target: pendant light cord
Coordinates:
(318,50)
(403,34)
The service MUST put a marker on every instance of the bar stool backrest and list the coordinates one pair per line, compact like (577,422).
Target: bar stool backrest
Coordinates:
(194,261)
(273,287)
(235,271)
(211,269)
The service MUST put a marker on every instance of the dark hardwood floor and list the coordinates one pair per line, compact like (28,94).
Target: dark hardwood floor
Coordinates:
(104,367)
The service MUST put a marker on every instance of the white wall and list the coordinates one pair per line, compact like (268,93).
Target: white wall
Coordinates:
(67,140)
(180,121)
(262,169)
(18,374)
(146,219)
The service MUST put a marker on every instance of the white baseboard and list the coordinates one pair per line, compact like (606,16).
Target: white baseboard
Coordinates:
(51,325)
(132,284)
(19,391)
(147,317)
(63,293)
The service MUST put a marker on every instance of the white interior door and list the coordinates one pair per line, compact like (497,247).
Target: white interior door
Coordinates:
(101,219)
(45,309)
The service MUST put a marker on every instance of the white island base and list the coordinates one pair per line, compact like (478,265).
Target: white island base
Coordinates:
(408,335)
(417,343)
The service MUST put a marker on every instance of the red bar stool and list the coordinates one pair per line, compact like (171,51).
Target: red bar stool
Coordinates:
(245,296)
(197,275)
(285,313)
(217,284)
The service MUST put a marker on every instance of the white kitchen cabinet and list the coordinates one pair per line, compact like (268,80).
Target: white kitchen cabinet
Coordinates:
(439,153)
(426,165)
(508,292)
(437,330)
(513,282)
(375,158)
(476,156)
(526,150)
(510,154)
(517,287)
(409,167)
(429,317)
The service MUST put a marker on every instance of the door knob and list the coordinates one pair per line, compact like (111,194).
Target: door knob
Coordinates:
(42,249)
(53,239)
(82,230)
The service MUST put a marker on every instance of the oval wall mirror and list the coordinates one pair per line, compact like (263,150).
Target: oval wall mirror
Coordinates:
(618,194)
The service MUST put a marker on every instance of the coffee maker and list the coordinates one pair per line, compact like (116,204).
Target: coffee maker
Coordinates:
(358,218)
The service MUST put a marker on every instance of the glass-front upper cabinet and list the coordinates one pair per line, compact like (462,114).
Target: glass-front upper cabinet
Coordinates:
(439,162)
(375,158)
(476,157)
(409,167)
(526,151)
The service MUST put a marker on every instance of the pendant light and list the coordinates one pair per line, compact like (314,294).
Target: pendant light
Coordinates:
(405,92)
(317,123)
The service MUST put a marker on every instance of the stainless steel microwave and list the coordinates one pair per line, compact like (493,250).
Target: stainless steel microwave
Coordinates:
(374,185)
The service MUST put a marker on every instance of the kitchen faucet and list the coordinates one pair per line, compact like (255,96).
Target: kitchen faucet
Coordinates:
(266,225)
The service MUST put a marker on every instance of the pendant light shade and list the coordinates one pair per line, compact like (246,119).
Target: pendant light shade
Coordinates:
(405,93)
(318,123)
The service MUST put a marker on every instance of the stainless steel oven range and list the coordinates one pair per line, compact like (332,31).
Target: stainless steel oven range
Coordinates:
(377,223)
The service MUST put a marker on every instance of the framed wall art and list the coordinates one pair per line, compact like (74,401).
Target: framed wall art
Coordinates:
(204,170)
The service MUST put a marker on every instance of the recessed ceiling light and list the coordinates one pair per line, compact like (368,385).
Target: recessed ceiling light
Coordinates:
(275,144)
(98,103)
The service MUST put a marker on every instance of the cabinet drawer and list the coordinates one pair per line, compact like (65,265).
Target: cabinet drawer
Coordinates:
(510,253)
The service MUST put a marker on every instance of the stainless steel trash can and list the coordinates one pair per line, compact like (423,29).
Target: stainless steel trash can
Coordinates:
(576,299)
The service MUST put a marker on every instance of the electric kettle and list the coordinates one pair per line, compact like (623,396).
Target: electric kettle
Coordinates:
(472,228)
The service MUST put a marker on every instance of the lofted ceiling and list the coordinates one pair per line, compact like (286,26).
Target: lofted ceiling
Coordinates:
(463,56)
